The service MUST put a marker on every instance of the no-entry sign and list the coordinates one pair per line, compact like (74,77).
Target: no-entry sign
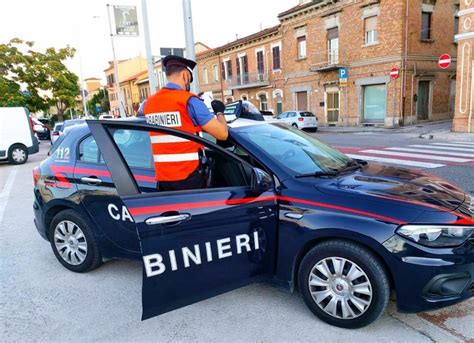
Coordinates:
(444,61)
(394,73)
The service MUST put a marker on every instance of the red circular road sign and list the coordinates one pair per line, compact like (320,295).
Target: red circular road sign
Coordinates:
(444,61)
(394,73)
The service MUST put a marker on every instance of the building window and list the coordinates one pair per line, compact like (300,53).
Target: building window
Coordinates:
(242,69)
(371,30)
(426,25)
(215,72)
(227,70)
(301,43)
(374,103)
(263,102)
(333,45)
(205,78)
(260,63)
(276,57)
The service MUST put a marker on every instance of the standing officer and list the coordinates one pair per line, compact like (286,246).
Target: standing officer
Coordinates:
(177,160)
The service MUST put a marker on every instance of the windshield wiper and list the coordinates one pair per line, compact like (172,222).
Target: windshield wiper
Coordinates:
(317,174)
(350,166)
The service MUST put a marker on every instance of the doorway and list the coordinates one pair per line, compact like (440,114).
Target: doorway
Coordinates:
(302,101)
(332,107)
(423,100)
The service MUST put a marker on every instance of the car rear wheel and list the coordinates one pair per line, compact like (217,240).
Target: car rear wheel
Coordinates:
(18,154)
(73,242)
(344,284)
(294,125)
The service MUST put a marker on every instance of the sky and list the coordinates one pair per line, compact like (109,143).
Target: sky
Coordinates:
(83,24)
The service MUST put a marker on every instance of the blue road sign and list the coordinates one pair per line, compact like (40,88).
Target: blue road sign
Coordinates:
(343,76)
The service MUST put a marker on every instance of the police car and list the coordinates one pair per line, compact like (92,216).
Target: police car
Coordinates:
(279,205)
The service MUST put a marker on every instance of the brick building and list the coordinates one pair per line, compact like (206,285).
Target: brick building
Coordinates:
(248,68)
(315,39)
(369,38)
(464,117)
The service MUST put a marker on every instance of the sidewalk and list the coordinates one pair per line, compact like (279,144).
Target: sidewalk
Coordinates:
(440,129)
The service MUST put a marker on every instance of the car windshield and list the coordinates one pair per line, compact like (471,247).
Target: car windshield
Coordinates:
(58,127)
(293,149)
(307,114)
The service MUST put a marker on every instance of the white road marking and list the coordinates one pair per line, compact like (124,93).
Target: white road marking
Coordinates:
(454,144)
(420,156)
(469,143)
(441,148)
(397,161)
(6,191)
(431,152)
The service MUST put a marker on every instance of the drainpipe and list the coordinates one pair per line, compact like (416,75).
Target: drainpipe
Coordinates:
(220,71)
(404,66)
(469,119)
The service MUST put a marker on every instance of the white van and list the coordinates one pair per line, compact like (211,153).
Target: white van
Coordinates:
(17,139)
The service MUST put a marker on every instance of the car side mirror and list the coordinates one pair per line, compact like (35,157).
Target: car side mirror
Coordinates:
(261,181)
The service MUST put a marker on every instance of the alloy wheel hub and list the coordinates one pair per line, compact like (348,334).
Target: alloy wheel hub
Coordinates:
(340,288)
(70,242)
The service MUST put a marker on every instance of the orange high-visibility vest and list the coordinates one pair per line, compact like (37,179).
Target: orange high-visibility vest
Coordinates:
(174,158)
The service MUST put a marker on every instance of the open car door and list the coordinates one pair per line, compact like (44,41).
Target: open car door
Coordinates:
(195,244)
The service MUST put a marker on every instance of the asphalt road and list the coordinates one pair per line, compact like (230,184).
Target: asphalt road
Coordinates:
(42,301)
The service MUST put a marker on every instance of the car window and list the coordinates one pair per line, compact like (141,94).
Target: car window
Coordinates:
(306,114)
(218,169)
(292,114)
(282,115)
(293,149)
(58,127)
(135,147)
(88,150)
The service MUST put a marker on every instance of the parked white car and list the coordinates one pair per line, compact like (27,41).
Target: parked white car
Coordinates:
(57,131)
(17,139)
(300,119)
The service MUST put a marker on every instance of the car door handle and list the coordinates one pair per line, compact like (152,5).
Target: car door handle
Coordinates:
(293,215)
(168,219)
(91,180)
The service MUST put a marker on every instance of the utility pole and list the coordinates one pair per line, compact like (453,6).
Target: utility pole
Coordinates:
(190,48)
(149,56)
(116,66)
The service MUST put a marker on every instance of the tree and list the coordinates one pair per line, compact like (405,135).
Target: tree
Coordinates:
(43,76)
(101,98)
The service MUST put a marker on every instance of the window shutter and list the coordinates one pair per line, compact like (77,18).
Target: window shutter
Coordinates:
(238,66)
(371,24)
(223,70)
(245,64)
(333,33)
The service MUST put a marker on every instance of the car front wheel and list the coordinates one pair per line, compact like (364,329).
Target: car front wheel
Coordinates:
(73,242)
(344,284)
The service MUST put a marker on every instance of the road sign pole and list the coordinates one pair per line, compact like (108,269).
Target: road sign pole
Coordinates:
(190,48)
(149,56)
(116,74)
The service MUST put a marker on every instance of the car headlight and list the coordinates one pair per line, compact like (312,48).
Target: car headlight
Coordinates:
(437,236)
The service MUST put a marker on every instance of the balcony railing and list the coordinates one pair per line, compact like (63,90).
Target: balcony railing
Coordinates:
(329,60)
(248,80)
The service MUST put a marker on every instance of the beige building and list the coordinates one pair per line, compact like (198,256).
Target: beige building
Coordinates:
(127,69)
(464,117)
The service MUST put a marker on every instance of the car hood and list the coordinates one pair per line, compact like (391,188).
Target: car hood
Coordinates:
(397,184)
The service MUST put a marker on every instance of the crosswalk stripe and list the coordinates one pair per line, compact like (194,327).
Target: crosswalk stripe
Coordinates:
(397,161)
(431,152)
(420,156)
(441,148)
(453,144)
(469,143)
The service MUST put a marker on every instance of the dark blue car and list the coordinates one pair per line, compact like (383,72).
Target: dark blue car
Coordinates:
(279,205)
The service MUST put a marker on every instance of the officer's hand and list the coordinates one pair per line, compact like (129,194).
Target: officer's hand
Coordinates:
(218,106)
